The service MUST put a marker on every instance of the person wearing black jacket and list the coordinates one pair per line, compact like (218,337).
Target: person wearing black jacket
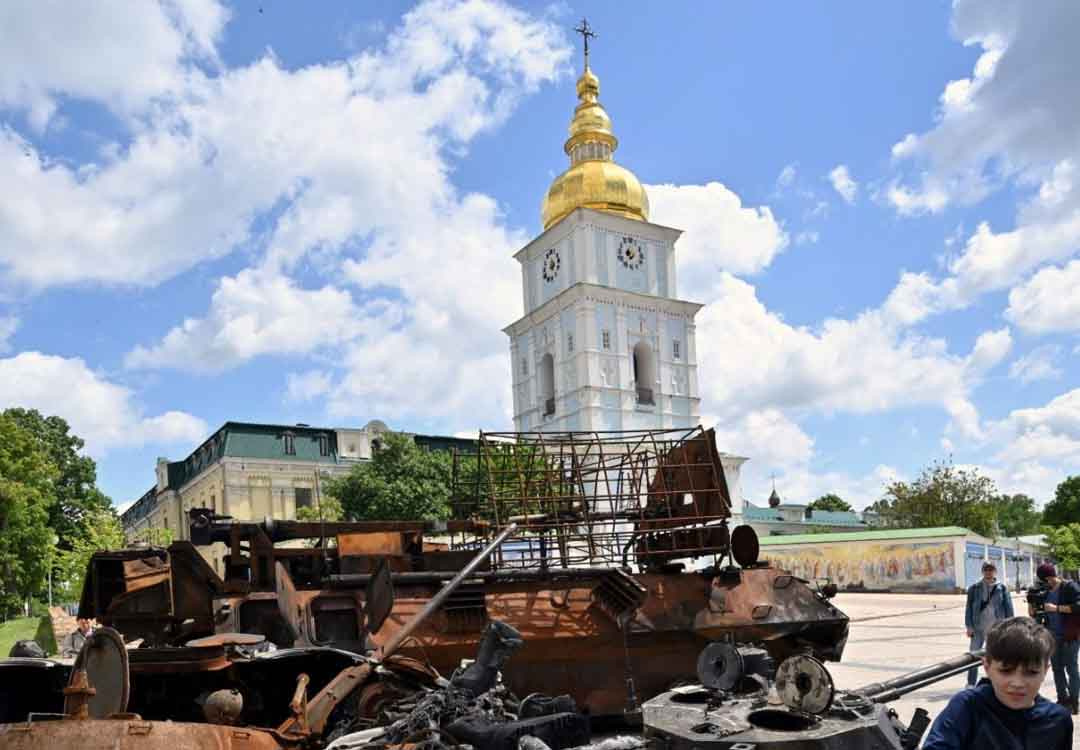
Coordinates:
(1063,620)
(1005,711)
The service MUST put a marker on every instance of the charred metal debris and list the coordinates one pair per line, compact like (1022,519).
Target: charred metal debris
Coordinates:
(602,561)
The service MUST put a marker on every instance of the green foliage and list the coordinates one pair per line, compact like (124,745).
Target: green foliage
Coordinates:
(400,483)
(16,629)
(1064,544)
(1016,515)
(942,495)
(1065,507)
(155,537)
(45,636)
(830,502)
(519,478)
(74,488)
(100,530)
(26,495)
(328,508)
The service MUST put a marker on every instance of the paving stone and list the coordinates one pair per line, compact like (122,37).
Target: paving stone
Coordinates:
(896,633)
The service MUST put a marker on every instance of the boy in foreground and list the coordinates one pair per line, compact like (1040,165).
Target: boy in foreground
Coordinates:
(1005,711)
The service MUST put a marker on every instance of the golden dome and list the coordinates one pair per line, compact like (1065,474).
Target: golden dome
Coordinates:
(593,179)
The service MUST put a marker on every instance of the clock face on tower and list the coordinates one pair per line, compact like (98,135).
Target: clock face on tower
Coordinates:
(551,264)
(630,253)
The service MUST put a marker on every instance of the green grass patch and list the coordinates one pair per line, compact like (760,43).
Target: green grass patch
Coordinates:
(27,628)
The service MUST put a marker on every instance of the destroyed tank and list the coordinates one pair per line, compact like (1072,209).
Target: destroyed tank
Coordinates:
(743,702)
(622,568)
(235,691)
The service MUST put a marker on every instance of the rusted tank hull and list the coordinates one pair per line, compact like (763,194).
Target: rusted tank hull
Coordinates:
(132,734)
(574,645)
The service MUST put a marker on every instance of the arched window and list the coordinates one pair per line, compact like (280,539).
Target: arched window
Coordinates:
(644,372)
(547,383)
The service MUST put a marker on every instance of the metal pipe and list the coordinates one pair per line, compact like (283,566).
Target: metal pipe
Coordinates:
(911,681)
(894,693)
(436,601)
(360,580)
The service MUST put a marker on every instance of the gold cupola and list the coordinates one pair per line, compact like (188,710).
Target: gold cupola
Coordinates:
(593,180)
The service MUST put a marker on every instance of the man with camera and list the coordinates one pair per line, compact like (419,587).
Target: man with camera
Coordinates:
(1061,610)
(988,601)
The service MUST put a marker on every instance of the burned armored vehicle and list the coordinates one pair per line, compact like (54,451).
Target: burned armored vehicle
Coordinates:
(744,701)
(620,570)
(232,691)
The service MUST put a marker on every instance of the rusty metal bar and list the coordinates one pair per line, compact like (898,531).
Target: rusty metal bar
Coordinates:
(387,650)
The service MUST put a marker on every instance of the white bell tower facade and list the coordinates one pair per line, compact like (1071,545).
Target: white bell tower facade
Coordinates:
(605,343)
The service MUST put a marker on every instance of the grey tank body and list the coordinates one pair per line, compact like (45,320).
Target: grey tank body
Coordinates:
(674,722)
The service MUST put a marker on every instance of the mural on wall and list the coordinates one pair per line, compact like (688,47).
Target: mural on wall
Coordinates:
(873,566)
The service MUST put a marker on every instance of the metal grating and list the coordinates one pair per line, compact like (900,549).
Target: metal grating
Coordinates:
(595,498)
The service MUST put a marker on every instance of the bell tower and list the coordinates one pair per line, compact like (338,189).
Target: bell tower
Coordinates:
(605,343)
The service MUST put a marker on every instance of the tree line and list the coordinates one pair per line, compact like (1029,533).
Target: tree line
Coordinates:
(52,514)
(947,495)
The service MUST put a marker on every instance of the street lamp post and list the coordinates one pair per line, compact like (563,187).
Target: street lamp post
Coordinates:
(53,541)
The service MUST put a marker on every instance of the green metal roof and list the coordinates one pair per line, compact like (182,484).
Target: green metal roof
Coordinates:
(863,536)
(268,441)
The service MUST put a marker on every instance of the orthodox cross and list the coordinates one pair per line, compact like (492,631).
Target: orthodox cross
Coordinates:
(586,31)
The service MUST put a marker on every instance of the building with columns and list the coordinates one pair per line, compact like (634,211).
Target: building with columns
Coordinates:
(605,342)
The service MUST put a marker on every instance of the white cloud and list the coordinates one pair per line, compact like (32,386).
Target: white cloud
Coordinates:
(808,237)
(1048,300)
(260,312)
(1014,122)
(767,436)
(720,233)
(104,414)
(786,177)
(423,277)
(8,325)
(119,53)
(306,386)
(1037,447)
(990,348)
(869,364)
(1038,364)
(224,150)
(775,444)
(843,183)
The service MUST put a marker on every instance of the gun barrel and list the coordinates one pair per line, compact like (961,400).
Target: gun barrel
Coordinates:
(436,601)
(882,692)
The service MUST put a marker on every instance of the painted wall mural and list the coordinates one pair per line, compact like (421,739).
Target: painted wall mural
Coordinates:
(867,565)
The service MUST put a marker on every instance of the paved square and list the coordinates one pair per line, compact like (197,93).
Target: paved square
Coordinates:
(896,633)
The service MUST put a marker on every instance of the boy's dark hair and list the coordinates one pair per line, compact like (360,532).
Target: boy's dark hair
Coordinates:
(1019,640)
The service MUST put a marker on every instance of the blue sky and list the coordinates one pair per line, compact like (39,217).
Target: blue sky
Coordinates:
(291,212)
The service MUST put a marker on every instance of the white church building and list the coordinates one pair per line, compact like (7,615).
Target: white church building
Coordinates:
(605,342)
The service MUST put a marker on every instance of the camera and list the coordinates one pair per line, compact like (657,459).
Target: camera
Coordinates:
(1036,598)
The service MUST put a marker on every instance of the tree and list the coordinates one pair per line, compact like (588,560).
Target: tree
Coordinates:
(399,483)
(830,502)
(76,474)
(155,537)
(1016,515)
(1064,544)
(1065,507)
(98,530)
(327,509)
(26,495)
(942,495)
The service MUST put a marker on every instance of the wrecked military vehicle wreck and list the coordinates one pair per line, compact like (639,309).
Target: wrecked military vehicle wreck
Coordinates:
(609,554)
(744,701)
(231,691)
(597,576)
